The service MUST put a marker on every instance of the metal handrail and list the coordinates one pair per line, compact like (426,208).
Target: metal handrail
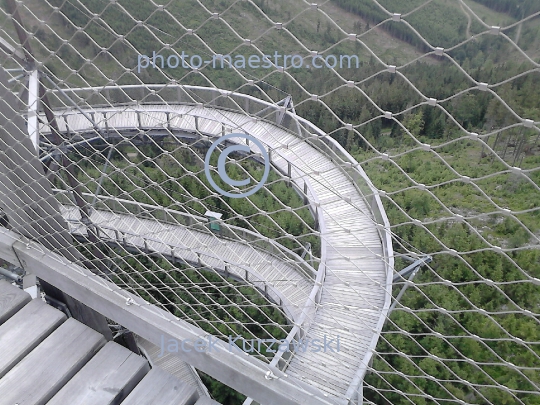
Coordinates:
(295,125)
(192,220)
(315,295)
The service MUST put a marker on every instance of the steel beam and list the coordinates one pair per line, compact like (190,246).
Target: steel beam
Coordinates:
(409,269)
(246,374)
(27,200)
(12,51)
(33,108)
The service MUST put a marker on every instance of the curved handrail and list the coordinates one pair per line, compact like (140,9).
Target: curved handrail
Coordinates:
(309,309)
(292,123)
(192,220)
(120,239)
(299,190)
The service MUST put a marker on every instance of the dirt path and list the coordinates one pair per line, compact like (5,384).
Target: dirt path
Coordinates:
(518,33)
(469,21)
(379,40)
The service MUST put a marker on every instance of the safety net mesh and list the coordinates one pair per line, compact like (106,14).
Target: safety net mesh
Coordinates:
(396,146)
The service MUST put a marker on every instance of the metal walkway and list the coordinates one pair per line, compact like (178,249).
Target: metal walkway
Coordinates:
(49,359)
(354,293)
(284,284)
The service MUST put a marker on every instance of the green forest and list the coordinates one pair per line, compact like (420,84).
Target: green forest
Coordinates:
(153,176)
(469,328)
(150,174)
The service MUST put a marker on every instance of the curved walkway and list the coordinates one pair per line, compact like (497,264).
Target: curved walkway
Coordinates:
(284,283)
(355,293)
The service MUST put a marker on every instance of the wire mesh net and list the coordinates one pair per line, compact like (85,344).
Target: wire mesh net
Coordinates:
(400,212)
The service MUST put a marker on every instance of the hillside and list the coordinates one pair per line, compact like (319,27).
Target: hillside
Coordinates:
(458,177)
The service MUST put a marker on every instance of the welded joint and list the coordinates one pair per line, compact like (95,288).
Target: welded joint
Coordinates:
(412,268)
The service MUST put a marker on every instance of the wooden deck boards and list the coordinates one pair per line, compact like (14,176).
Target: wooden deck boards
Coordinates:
(37,377)
(46,359)
(26,329)
(11,300)
(105,380)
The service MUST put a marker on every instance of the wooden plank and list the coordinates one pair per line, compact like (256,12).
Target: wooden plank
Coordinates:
(12,299)
(51,364)
(243,373)
(20,334)
(161,388)
(105,380)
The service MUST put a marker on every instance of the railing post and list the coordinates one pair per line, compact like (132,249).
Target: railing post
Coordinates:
(69,131)
(106,123)
(289,173)
(179,94)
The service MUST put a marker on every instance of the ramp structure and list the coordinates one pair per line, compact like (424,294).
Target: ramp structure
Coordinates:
(390,256)
(345,297)
(352,283)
